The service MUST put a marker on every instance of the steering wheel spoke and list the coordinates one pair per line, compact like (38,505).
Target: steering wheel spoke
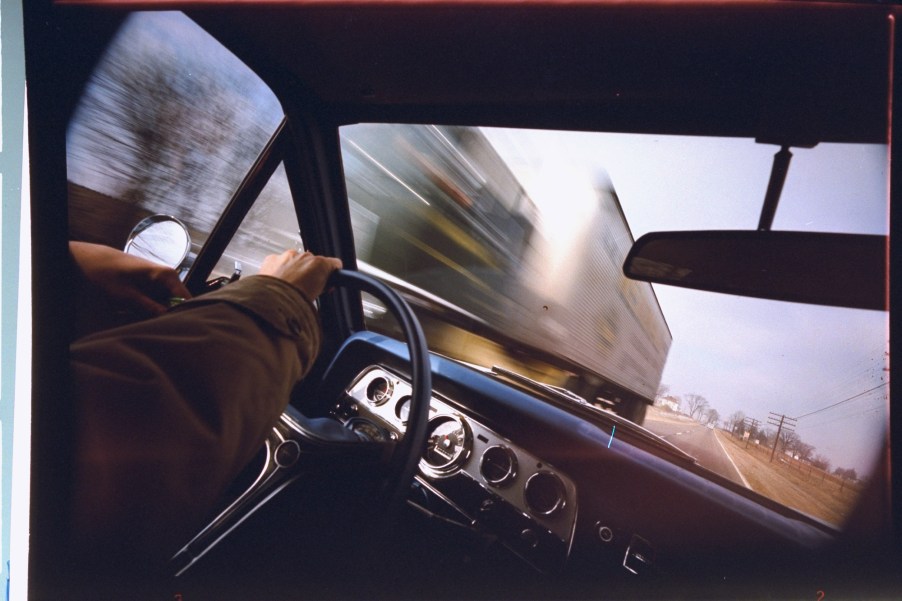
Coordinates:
(299,445)
(323,444)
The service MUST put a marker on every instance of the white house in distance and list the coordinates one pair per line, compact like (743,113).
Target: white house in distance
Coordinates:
(668,402)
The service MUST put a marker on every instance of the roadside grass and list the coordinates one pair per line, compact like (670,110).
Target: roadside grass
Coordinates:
(793,483)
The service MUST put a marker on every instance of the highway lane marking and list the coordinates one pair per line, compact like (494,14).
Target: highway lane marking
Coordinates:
(666,436)
(735,467)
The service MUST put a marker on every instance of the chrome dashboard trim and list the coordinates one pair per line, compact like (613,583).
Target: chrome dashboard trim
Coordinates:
(560,522)
(559,503)
(510,476)
(454,464)
(267,485)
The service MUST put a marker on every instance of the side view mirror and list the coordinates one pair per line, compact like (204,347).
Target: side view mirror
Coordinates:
(159,238)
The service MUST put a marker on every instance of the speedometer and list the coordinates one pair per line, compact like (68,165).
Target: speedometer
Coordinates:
(379,391)
(448,446)
(402,410)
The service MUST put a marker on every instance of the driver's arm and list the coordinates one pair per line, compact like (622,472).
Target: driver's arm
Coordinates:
(170,409)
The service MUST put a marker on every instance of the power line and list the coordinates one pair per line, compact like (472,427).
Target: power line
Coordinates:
(874,410)
(854,378)
(846,400)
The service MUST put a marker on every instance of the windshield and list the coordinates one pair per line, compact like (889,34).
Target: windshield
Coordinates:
(512,245)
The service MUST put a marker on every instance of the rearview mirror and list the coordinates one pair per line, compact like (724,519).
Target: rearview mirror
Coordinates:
(161,239)
(844,270)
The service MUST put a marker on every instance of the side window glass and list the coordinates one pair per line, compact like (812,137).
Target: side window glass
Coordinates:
(169,123)
(271,227)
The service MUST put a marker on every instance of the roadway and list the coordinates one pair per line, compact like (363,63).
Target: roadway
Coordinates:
(695,439)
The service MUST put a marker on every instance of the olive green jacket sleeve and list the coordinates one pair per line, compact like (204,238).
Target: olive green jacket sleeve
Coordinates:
(172,408)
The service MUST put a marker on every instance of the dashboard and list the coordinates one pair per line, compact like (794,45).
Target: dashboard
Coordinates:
(480,476)
(552,483)
(503,466)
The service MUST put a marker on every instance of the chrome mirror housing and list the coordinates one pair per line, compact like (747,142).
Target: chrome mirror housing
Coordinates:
(159,238)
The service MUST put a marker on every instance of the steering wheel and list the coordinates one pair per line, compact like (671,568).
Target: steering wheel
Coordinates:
(301,445)
(409,449)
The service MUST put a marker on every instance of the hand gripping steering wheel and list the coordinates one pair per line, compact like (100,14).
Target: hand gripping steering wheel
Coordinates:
(300,445)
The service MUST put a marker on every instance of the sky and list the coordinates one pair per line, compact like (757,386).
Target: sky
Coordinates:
(743,354)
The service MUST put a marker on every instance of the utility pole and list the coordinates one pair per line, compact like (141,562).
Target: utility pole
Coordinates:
(784,422)
(749,424)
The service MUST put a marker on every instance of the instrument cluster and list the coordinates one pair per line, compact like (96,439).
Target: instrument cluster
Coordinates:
(485,476)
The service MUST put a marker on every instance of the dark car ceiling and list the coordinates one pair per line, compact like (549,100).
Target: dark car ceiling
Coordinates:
(785,72)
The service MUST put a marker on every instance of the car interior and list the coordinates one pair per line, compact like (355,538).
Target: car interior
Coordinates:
(399,470)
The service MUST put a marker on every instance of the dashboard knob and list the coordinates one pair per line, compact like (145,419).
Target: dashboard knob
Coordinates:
(487,507)
(529,537)
(287,454)
(605,534)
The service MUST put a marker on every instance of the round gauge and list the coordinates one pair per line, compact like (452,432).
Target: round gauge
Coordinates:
(498,465)
(544,493)
(368,430)
(379,390)
(448,445)
(402,409)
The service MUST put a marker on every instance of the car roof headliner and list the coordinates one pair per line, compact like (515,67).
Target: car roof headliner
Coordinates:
(783,72)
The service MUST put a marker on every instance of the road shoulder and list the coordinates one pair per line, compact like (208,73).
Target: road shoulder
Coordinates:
(732,461)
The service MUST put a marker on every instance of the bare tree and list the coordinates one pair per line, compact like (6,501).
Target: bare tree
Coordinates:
(736,418)
(848,474)
(696,405)
(160,126)
(788,440)
(821,462)
(803,450)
